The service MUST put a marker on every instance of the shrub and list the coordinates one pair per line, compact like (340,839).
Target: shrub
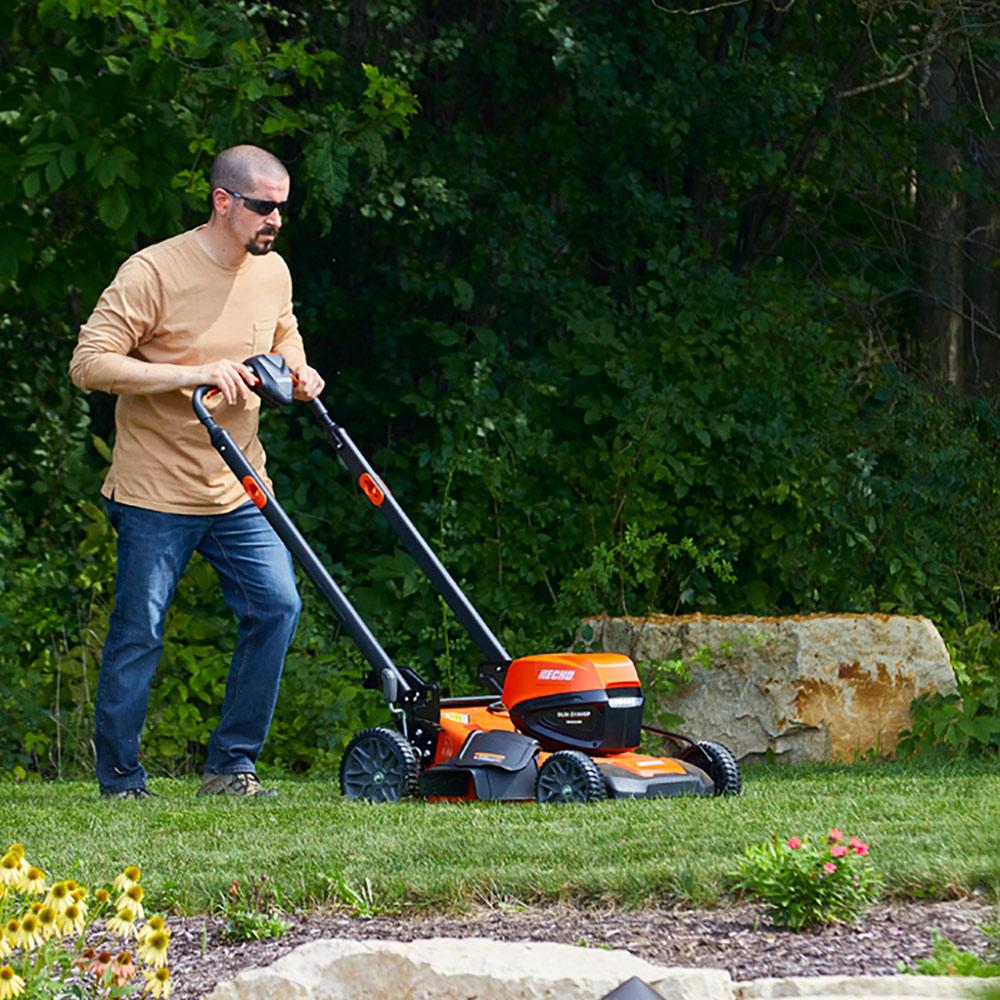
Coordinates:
(805,884)
(969,721)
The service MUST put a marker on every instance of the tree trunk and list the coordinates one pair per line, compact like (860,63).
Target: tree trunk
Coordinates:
(982,276)
(941,229)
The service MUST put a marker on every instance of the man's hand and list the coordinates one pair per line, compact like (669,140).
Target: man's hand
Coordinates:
(310,383)
(231,378)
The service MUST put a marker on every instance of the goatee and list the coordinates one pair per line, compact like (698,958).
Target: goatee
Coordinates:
(258,249)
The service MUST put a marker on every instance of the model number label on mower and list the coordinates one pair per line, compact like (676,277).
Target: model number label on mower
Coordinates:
(549,674)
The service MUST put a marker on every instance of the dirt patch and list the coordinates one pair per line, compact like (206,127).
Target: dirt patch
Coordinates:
(740,939)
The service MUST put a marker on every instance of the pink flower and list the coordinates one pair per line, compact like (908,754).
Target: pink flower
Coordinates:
(860,847)
(794,843)
(829,867)
(835,836)
(838,850)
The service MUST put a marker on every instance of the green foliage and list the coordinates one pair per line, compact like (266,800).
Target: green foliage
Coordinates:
(321,705)
(360,901)
(949,960)
(804,885)
(122,105)
(253,911)
(664,677)
(613,306)
(969,720)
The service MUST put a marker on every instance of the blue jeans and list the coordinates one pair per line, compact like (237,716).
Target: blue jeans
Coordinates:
(258,584)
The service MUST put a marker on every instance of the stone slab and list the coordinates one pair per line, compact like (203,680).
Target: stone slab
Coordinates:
(460,968)
(483,969)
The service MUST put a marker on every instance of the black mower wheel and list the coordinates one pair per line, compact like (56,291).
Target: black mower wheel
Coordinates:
(721,767)
(379,765)
(569,776)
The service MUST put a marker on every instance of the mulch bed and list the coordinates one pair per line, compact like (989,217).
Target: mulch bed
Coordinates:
(738,939)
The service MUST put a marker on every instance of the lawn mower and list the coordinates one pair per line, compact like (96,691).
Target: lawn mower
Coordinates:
(553,727)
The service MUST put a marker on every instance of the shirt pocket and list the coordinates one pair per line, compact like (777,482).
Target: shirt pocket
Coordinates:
(263,335)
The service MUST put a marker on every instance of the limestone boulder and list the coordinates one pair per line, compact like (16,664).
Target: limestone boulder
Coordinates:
(457,969)
(480,969)
(816,687)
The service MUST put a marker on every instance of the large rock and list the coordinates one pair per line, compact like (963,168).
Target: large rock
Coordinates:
(479,969)
(457,969)
(816,687)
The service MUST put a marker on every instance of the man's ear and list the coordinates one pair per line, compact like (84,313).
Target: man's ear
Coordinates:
(221,201)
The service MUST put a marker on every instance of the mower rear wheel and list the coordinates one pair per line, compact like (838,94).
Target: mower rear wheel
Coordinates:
(379,765)
(569,776)
(722,768)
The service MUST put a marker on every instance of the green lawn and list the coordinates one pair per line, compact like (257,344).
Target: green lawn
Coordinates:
(933,830)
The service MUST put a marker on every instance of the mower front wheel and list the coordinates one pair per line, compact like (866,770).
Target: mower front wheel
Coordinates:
(379,765)
(569,776)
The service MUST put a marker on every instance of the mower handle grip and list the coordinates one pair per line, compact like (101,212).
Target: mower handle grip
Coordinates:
(198,401)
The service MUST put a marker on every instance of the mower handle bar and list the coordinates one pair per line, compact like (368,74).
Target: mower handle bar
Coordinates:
(275,384)
(393,684)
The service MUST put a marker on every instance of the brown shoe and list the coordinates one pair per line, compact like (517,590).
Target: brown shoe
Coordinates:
(244,783)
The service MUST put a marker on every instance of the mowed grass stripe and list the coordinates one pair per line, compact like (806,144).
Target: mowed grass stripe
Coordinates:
(934,830)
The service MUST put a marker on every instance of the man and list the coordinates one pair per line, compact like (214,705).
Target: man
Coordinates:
(182,313)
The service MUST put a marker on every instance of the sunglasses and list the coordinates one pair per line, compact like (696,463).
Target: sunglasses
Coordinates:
(259,205)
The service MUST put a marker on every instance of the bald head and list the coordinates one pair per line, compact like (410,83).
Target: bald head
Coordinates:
(239,167)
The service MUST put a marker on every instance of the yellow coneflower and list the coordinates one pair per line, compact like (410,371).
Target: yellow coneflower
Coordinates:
(17,849)
(73,919)
(132,898)
(153,948)
(11,984)
(48,922)
(158,983)
(102,896)
(10,869)
(30,934)
(59,897)
(5,946)
(32,881)
(155,923)
(12,931)
(127,879)
(122,924)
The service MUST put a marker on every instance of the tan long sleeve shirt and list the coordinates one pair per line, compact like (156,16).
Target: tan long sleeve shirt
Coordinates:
(172,303)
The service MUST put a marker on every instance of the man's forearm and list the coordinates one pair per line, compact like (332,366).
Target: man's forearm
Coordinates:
(139,378)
